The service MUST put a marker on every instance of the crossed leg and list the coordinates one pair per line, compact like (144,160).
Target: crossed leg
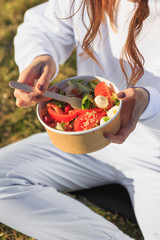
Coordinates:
(32,178)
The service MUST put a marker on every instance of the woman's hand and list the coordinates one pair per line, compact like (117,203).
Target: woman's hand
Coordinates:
(37,74)
(134,102)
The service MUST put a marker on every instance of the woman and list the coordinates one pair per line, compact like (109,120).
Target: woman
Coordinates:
(117,40)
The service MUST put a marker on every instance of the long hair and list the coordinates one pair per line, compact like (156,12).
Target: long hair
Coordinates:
(130,51)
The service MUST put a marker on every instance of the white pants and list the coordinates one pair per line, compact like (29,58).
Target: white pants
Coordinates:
(33,173)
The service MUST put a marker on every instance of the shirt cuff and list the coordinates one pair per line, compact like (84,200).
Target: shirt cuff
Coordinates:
(154,103)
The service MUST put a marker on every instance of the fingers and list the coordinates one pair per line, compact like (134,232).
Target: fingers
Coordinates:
(38,74)
(127,94)
(43,81)
(24,104)
(119,138)
(47,71)
(128,123)
(138,93)
(24,99)
(122,134)
(135,100)
(28,76)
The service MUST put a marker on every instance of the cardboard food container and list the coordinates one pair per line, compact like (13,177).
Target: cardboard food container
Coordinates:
(81,142)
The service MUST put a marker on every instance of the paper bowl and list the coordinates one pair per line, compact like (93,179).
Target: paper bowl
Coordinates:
(82,142)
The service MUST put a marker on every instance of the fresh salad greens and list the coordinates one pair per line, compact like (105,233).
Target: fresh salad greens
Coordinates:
(99,104)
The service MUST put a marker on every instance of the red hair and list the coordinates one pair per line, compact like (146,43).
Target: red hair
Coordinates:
(130,51)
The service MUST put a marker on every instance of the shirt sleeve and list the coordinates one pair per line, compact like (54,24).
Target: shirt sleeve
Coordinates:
(151,115)
(46,29)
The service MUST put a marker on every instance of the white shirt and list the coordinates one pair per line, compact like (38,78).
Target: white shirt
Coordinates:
(48,30)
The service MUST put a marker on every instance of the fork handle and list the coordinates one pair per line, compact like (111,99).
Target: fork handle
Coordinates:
(28,88)
(21,86)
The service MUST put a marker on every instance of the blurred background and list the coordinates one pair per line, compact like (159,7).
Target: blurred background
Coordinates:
(17,123)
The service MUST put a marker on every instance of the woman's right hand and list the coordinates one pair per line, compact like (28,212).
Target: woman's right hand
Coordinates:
(37,74)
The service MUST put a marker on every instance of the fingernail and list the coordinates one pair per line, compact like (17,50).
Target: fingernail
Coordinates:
(41,87)
(121,95)
(108,138)
(38,97)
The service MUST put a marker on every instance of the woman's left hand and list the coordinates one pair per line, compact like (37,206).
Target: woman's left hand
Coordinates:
(134,102)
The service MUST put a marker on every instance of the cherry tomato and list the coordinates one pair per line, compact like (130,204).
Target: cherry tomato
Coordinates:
(67,108)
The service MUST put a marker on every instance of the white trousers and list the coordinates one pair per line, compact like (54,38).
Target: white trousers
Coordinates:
(33,175)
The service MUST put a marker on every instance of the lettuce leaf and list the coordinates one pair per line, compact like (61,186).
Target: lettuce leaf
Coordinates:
(87,101)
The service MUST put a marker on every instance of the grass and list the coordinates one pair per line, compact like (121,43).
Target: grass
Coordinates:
(17,123)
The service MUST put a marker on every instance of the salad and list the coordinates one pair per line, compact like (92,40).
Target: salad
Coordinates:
(99,104)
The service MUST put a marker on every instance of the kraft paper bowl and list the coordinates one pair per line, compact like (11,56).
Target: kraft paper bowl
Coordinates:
(82,142)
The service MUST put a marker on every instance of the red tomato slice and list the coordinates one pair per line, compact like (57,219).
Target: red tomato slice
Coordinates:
(62,117)
(82,111)
(102,89)
(55,107)
(87,120)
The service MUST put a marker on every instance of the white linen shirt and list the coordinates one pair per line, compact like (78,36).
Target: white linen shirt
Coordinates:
(48,30)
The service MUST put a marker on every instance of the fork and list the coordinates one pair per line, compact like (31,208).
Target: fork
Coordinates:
(75,102)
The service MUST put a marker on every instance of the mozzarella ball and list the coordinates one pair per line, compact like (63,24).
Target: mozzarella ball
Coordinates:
(111,112)
(101,101)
